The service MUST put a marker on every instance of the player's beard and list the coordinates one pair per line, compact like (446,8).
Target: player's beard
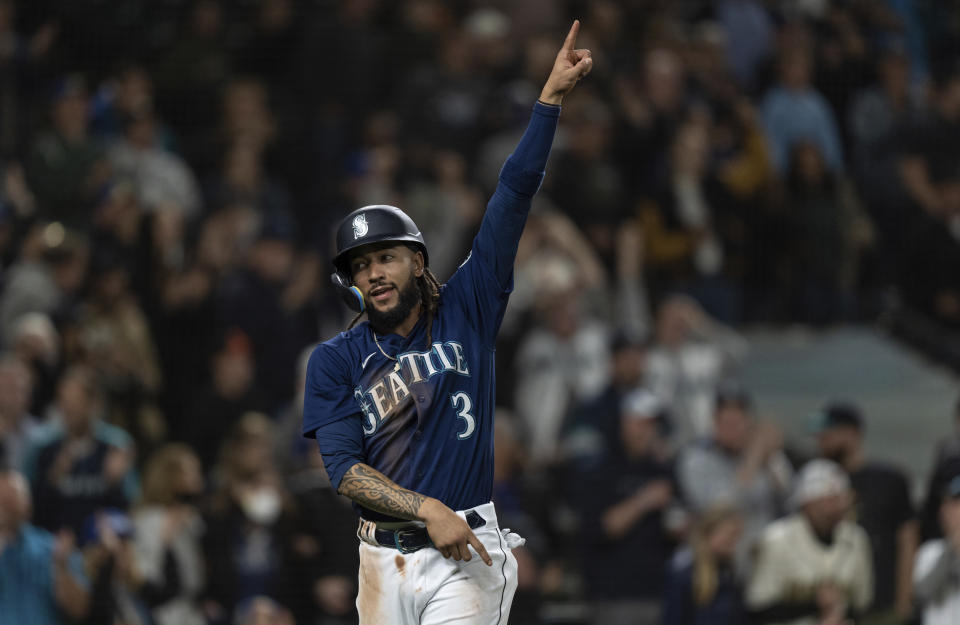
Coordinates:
(385,321)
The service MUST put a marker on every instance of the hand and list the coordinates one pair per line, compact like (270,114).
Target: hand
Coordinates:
(63,547)
(831,602)
(571,65)
(767,438)
(450,533)
(655,495)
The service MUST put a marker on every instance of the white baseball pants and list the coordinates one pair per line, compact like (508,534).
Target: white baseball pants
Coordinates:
(424,588)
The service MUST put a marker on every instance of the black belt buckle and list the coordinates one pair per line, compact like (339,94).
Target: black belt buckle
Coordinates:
(400,543)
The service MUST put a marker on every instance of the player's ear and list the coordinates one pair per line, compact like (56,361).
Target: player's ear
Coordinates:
(418,263)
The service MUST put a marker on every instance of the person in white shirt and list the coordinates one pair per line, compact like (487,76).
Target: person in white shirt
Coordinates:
(814,566)
(936,573)
(692,353)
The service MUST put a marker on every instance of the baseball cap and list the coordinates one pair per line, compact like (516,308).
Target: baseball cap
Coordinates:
(819,478)
(641,404)
(836,414)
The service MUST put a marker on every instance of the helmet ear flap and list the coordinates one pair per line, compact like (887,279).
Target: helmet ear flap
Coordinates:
(349,293)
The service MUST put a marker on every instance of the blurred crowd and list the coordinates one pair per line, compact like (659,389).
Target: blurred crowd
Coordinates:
(169,175)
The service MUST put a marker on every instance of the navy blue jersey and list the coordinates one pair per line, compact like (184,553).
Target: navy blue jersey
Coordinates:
(424,414)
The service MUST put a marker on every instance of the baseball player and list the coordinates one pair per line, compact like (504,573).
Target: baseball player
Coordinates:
(402,404)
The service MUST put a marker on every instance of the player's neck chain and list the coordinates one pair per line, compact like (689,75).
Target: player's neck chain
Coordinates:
(394,358)
(396,367)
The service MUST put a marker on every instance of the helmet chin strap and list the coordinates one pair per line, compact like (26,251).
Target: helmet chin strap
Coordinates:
(349,293)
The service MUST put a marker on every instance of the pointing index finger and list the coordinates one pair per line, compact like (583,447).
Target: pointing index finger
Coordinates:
(481,550)
(572,36)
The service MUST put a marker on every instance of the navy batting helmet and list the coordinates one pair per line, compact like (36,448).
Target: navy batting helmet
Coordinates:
(370,224)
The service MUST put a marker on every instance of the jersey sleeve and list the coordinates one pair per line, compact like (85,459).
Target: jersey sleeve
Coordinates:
(341,447)
(328,394)
(482,284)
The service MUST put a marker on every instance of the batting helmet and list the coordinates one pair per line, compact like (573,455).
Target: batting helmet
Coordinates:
(366,225)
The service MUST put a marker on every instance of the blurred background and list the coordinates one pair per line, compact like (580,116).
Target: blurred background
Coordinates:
(745,254)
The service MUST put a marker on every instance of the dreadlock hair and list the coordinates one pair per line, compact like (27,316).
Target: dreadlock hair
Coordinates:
(429,287)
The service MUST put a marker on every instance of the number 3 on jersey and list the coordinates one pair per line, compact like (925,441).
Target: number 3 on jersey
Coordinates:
(463,404)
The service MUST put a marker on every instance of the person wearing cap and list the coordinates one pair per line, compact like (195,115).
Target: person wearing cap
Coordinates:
(882,506)
(936,575)
(814,566)
(741,464)
(624,498)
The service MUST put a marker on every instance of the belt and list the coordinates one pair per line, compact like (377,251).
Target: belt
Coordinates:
(412,539)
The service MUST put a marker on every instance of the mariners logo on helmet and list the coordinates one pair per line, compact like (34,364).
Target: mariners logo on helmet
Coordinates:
(359,226)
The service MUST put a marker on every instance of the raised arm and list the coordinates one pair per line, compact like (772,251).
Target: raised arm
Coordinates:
(523,171)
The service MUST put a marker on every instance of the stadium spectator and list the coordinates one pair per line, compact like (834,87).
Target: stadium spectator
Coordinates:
(66,166)
(46,279)
(19,430)
(813,567)
(563,359)
(883,507)
(114,337)
(249,540)
(191,73)
(691,354)
(750,36)
(85,465)
(450,209)
(936,576)
(926,278)
(703,586)
(36,344)
(167,537)
(116,597)
(271,300)
(946,465)
(594,423)
(741,465)
(827,234)
(41,575)
(794,110)
(652,103)
(682,223)
(930,150)
(162,179)
(585,182)
(877,119)
(232,393)
(623,498)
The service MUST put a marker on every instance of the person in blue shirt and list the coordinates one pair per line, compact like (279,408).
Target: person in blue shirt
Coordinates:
(41,575)
(402,404)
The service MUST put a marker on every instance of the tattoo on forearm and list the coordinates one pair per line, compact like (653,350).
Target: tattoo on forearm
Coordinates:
(374,490)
